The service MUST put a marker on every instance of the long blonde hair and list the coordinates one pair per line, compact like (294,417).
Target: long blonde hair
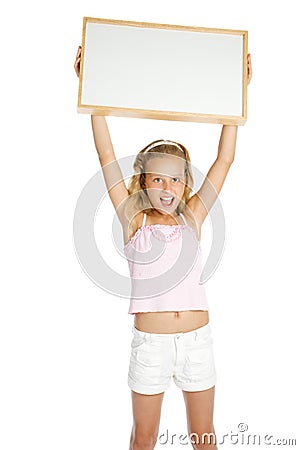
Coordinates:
(138,199)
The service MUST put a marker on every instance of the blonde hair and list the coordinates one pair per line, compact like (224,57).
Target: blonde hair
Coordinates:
(138,199)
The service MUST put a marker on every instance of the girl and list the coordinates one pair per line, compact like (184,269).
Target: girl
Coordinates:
(171,332)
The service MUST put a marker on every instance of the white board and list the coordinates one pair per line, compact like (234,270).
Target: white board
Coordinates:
(163,71)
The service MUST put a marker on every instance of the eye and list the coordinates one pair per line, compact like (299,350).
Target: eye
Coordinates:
(156,179)
(176,179)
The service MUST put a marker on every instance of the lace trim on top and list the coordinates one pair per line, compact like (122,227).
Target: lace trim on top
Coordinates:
(175,234)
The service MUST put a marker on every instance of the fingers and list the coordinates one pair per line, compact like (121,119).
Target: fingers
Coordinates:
(77,61)
(249,66)
(78,51)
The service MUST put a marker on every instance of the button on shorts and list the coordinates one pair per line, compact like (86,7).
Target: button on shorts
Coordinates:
(156,358)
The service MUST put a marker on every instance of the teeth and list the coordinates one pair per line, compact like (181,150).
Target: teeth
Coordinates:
(168,200)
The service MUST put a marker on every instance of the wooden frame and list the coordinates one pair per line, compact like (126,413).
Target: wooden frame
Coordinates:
(133,69)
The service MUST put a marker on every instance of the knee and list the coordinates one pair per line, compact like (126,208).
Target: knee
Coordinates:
(203,440)
(142,440)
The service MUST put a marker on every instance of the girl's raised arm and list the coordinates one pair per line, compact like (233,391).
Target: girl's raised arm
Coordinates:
(113,177)
(201,202)
(115,184)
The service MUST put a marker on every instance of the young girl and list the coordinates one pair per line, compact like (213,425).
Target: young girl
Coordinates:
(171,333)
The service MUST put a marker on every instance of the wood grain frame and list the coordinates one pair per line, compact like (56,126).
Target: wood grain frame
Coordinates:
(158,114)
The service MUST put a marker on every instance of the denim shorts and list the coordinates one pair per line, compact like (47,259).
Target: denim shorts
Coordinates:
(156,358)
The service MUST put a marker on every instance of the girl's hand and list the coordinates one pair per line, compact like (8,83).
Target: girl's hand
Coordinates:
(77,61)
(249,67)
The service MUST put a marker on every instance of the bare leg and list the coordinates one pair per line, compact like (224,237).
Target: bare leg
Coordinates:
(199,412)
(146,417)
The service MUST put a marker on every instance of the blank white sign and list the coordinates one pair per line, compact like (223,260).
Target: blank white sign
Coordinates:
(143,70)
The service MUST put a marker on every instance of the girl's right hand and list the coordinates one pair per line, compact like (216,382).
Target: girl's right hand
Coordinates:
(77,61)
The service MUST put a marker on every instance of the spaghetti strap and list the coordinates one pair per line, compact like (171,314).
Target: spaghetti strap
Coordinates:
(183,218)
(144,220)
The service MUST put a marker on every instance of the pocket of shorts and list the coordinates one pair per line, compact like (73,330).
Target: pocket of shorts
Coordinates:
(205,340)
(149,355)
(137,342)
(146,363)
(200,360)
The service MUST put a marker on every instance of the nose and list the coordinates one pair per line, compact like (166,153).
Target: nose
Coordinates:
(166,184)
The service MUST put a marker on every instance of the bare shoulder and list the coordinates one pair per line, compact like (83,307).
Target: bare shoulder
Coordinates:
(191,219)
(131,227)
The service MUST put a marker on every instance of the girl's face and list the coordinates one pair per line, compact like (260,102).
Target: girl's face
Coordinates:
(165,182)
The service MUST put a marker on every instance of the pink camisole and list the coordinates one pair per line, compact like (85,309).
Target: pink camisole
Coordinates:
(165,264)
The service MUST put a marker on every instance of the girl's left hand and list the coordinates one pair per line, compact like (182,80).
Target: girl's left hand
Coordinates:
(77,61)
(249,67)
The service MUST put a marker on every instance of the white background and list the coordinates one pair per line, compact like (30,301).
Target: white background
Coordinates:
(65,342)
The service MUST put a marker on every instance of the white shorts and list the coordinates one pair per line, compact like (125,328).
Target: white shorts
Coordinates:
(187,357)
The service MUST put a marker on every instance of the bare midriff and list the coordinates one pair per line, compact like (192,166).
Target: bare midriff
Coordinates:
(170,321)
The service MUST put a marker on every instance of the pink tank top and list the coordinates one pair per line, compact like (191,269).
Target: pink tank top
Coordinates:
(165,264)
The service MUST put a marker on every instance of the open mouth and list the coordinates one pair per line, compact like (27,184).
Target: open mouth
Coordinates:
(167,201)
